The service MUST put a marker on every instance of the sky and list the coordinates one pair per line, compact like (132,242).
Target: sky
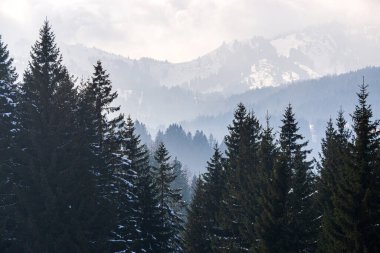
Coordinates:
(173,30)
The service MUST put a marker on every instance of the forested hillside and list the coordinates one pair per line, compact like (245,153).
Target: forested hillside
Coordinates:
(315,101)
(192,150)
(266,195)
(75,175)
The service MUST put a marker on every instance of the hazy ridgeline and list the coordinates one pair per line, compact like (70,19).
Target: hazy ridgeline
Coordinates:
(76,177)
(192,150)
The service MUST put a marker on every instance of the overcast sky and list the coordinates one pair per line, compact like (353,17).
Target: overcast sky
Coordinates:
(176,30)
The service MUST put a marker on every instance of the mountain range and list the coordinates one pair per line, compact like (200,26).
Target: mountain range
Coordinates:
(306,68)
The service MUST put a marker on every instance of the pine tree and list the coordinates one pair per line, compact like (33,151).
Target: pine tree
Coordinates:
(7,71)
(193,184)
(297,190)
(248,180)
(196,232)
(356,201)
(326,185)
(241,192)
(8,129)
(138,216)
(233,140)
(148,218)
(104,221)
(334,158)
(229,217)
(99,94)
(170,202)
(133,157)
(303,223)
(181,182)
(268,222)
(366,148)
(55,191)
(105,134)
(214,179)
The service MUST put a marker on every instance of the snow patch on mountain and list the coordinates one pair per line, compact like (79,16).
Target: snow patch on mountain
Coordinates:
(289,77)
(261,75)
(309,71)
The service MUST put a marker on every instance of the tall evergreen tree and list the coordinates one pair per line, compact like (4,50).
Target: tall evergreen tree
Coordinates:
(205,208)
(214,179)
(334,158)
(148,212)
(138,217)
(105,134)
(241,192)
(8,129)
(303,215)
(297,188)
(268,222)
(170,202)
(366,148)
(356,201)
(98,93)
(7,70)
(230,213)
(248,180)
(55,191)
(132,156)
(326,185)
(181,181)
(196,237)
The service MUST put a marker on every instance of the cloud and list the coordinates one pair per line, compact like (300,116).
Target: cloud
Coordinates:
(176,30)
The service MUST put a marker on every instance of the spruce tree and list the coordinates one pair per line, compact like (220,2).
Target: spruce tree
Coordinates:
(230,212)
(303,215)
(8,130)
(356,199)
(148,218)
(105,134)
(248,180)
(366,148)
(7,70)
(170,202)
(335,158)
(297,190)
(133,155)
(326,185)
(55,191)
(181,182)
(268,222)
(214,181)
(99,94)
(241,189)
(137,211)
(202,229)
(196,237)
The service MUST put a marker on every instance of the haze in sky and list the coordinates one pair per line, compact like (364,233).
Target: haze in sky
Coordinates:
(174,30)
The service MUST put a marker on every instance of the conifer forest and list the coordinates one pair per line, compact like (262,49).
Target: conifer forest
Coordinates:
(75,175)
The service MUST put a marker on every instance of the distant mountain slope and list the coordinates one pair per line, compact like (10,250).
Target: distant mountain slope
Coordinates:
(259,62)
(240,65)
(314,102)
(159,92)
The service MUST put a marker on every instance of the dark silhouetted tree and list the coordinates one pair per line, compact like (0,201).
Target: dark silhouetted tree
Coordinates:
(170,202)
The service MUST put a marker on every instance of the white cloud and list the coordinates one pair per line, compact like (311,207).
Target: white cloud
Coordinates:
(176,30)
